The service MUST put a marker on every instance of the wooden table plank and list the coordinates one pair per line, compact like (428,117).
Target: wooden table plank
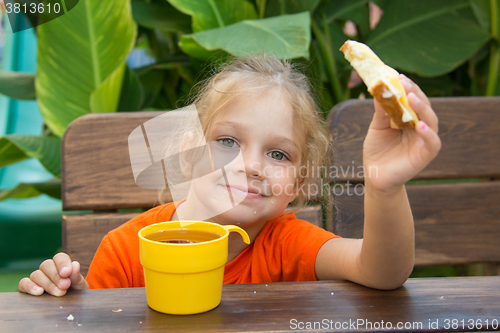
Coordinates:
(269,307)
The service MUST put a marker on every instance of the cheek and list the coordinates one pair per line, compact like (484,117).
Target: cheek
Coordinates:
(202,170)
(205,178)
(282,181)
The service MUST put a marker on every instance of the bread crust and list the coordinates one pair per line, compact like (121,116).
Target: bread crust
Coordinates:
(391,106)
(344,46)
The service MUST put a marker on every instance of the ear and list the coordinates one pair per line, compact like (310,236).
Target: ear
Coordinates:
(185,158)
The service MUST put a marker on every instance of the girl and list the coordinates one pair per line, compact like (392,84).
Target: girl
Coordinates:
(262,108)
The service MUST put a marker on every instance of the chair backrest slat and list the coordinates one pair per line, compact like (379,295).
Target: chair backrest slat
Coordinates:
(96,169)
(454,223)
(82,234)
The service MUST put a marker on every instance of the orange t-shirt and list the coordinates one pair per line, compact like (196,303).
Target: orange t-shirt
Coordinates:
(285,250)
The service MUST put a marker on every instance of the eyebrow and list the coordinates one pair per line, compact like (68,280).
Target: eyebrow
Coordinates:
(277,137)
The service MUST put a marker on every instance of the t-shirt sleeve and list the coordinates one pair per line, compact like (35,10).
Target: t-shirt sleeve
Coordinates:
(301,245)
(106,270)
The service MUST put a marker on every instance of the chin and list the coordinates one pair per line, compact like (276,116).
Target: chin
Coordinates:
(240,216)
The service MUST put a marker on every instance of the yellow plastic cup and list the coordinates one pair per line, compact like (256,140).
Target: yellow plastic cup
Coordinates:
(185,278)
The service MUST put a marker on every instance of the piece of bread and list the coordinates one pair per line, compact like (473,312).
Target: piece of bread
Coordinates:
(382,82)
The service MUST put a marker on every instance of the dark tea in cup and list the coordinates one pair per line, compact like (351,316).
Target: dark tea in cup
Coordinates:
(182,236)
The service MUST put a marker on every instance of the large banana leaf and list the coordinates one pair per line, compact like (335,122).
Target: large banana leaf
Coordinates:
(51,187)
(286,36)
(160,16)
(17,85)
(47,149)
(281,7)
(427,37)
(210,14)
(80,61)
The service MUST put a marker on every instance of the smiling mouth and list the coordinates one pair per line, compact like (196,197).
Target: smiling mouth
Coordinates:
(249,193)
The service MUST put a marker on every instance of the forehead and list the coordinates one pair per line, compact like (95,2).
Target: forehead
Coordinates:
(264,108)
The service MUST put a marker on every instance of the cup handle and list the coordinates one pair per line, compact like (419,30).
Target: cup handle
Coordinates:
(242,232)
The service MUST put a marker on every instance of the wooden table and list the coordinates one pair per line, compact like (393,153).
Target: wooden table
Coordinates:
(431,304)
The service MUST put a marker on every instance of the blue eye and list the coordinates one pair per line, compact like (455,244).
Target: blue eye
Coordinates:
(277,155)
(228,143)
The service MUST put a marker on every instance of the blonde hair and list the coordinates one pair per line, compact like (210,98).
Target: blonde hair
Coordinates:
(257,74)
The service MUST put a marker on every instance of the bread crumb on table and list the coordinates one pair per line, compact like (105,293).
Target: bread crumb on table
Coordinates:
(119,310)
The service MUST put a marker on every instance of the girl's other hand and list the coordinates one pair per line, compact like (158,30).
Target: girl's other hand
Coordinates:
(55,276)
(393,157)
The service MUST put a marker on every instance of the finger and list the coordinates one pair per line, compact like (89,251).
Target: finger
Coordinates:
(431,142)
(29,287)
(49,269)
(411,86)
(77,280)
(380,119)
(424,111)
(63,264)
(43,281)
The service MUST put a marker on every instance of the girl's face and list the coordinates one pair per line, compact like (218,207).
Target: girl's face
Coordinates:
(260,182)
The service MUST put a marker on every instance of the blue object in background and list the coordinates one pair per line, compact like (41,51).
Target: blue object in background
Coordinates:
(138,57)
(30,229)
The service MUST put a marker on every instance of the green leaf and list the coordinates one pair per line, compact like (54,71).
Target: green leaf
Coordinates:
(101,99)
(76,54)
(131,92)
(151,82)
(210,14)
(481,9)
(281,7)
(17,85)
(160,16)
(286,36)
(440,86)
(47,149)
(10,153)
(427,37)
(357,11)
(337,39)
(382,3)
(345,9)
(51,187)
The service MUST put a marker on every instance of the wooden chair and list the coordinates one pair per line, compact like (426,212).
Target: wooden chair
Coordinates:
(97,177)
(457,221)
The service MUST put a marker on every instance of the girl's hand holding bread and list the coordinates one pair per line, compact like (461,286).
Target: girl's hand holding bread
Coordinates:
(396,156)
(402,138)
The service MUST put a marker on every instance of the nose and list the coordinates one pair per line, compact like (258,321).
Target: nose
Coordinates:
(250,163)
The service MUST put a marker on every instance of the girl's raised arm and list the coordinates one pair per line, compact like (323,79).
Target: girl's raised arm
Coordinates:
(384,258)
